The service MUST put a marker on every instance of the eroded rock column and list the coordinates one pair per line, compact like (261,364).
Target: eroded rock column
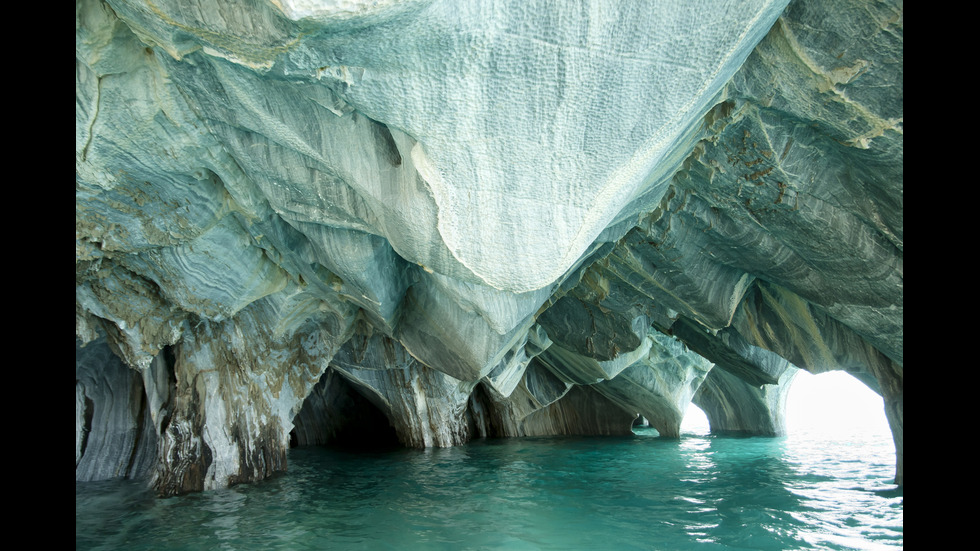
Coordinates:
(734,406)
(237,388)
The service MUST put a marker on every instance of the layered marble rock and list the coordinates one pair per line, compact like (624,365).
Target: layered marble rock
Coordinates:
(438,221)
(114,433)
(734,406)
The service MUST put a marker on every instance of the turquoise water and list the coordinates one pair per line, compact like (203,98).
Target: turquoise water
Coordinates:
(811,491)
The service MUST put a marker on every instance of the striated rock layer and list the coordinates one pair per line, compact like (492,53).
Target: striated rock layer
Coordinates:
(430,221)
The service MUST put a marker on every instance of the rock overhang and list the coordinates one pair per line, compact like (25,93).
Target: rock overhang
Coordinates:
(264,189)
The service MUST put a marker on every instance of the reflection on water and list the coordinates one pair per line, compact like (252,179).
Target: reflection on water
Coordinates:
(543,493)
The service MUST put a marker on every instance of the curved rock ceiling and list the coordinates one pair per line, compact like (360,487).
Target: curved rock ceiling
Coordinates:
(496,218)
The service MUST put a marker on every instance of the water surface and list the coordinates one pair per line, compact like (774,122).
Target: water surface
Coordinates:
(810,491)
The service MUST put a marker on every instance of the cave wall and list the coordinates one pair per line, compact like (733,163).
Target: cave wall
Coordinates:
(114,433)
(487,219)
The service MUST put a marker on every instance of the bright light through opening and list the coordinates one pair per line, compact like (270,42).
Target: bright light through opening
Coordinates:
(833,402)
(695,421)
(830,403)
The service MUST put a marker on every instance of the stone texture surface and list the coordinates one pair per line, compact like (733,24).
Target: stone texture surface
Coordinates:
(114,433)
(734,406)
(458,220)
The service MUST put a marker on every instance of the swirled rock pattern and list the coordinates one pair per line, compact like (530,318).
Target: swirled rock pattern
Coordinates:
(433,221)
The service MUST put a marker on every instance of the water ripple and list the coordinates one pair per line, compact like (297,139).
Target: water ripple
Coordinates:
(544,493)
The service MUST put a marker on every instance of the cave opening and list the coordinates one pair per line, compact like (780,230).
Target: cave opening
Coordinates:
(337,415)
(695,421)
(830,403)
(834,402)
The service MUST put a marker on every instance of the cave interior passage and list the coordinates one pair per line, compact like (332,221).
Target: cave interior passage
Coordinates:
(337,415)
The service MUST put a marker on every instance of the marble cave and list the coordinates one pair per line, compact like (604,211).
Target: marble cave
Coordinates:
(425,222)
